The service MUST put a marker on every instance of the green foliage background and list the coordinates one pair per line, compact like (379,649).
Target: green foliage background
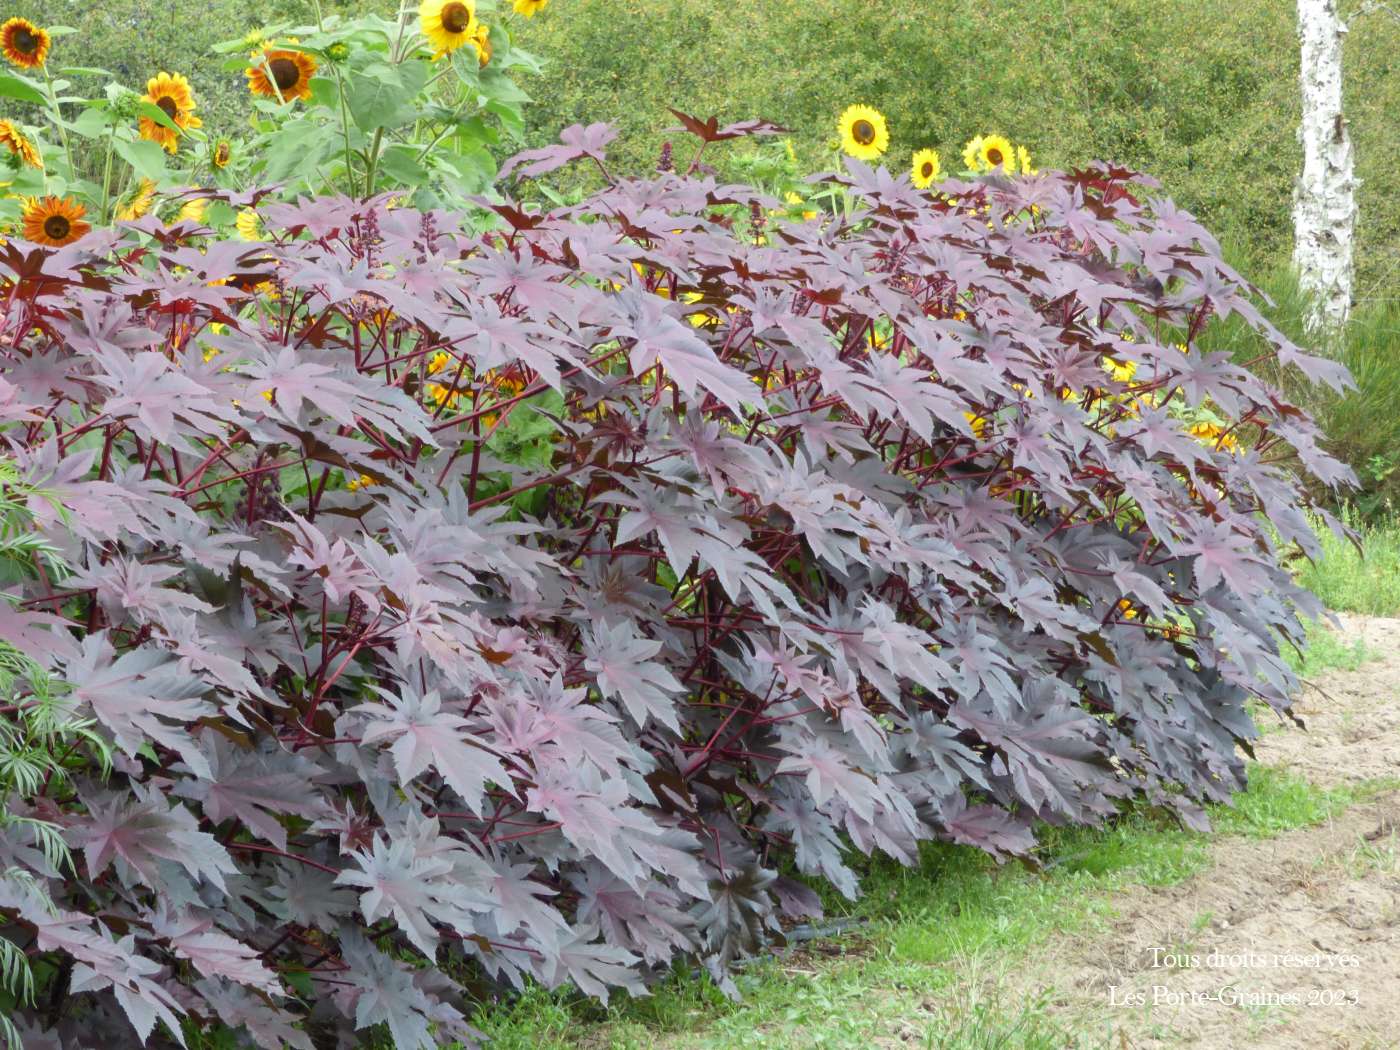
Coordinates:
(1202,94)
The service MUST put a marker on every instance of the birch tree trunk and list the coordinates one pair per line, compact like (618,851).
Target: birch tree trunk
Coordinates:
(1324,200)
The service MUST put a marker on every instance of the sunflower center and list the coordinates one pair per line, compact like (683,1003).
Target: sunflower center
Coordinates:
(26,41)
(456,18)
(285,73)
(863,132)
(994,157)
(167,106)
(57,227)
(926,172)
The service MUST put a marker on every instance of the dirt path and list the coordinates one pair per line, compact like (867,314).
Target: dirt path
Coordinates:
(1318,908)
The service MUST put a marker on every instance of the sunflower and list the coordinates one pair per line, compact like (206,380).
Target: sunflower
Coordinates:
(249,229)
(223,152)
(1024,156)
(971,152)
(277,73)
(1210,434)
(140,202)
(1122,371)
(996,152)
(506,389)
(482,43)
(796,201)
(172,94)
(529,8)
(54,221)
(24,43)
(443,395)
(448,24)
(864,132)
(926,168)
(19,144)
(193,210)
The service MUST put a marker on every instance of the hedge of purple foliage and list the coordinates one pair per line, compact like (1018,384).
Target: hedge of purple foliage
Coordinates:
(508,606)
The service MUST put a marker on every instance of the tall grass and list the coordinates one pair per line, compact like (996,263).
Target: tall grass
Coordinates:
(1348,580)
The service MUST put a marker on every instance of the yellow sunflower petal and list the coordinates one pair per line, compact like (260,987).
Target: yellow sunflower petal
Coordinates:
(24,44)
(447,24)
(865,134)
(281,74)
(140,202)
(248,226)
(19,144)
(926,168)
(172,95)
(54,221)
(972,153)
(996,152)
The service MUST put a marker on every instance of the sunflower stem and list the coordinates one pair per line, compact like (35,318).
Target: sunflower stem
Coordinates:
(373,162)
(395,55)
(58,119)
(107,171)
(344,107)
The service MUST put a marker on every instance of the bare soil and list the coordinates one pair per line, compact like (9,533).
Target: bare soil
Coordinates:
(1284,943)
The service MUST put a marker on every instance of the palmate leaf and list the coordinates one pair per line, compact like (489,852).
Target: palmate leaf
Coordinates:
(1221,553)
(548,723)
(140,695)
(710,131)
(424,735)
(989,828)
(498,339)
(518,905)
(650,922)
(830,773)
(411,888)
(595,969)
(737,918)
(624,667)
(130,588)
(32,632)
(142,833)
(658,338)
(268,1026)
(104,962)
(213,952)
(385,994)
(295,382)
(575,143)
(158,400)
(594,815)
(253,787)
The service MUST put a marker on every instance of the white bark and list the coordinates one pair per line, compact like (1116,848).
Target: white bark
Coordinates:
(1324,200)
